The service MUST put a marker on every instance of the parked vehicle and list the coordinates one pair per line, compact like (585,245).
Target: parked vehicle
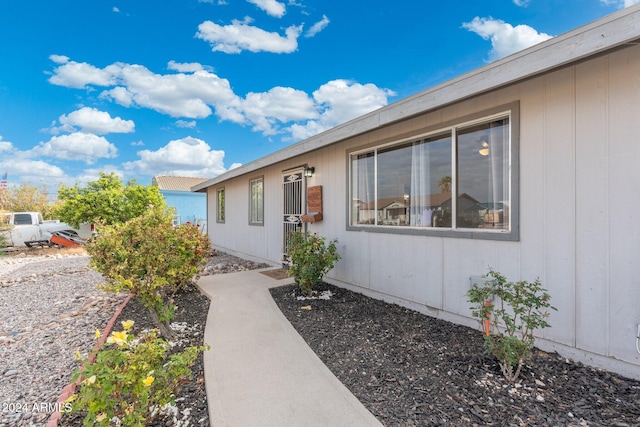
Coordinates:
(29,229)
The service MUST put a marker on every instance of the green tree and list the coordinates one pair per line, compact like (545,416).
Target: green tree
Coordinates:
(445,184)
(27,198)
(106,201)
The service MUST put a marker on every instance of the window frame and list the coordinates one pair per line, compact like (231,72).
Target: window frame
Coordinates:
(220,209)
(512,111)
(257,221)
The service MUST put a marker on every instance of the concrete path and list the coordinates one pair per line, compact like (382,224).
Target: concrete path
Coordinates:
(259,371)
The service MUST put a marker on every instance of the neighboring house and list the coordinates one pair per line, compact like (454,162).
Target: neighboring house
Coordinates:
(433,208)
(176,191)
(544,146)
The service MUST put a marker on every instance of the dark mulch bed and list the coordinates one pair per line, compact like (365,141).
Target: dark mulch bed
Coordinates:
(191,315)
(409,369)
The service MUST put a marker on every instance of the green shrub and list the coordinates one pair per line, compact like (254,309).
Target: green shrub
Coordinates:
(521,308)
(149,258)
(129,378)
(311,259)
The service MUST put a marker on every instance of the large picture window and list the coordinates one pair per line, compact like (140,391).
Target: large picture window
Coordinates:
(256,201)
(220,205)
(455,181)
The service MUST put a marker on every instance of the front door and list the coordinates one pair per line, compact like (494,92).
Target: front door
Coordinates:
(293,206)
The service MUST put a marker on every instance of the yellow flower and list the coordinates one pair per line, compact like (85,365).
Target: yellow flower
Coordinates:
(90,380)
(101,417)
(128,324)
(119,338)
(71,398)
(78,355)
(97,334)
(148,381)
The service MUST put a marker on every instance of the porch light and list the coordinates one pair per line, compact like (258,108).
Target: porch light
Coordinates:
(309,171)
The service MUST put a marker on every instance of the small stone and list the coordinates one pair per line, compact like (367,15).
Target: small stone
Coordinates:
(11,373)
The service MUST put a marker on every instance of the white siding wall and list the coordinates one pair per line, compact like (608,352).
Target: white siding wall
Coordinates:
(579,199)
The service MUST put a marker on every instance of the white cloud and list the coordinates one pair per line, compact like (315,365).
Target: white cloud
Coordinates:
(187,157)
(185,67)
(272,7)
(186,124)
(318,26)
(137,144)
(120,95)
(521,3)
(239,36)
(115,9)
(80,146)
(505,38)
(338,102)
(16,163)
(91,120)
(619,3)
(178,95)
(196,93)
(59,59)
(78,75)
(93,174)
(26,169)
(6,146)
(280,104)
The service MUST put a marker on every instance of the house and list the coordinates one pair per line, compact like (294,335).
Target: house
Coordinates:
(176,191)
(544,146)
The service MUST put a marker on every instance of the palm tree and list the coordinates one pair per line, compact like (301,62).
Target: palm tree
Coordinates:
(445,184)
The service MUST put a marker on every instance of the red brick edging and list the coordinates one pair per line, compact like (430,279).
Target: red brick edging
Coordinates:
(71,388)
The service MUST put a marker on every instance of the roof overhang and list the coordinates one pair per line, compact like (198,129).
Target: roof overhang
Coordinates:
(610,32)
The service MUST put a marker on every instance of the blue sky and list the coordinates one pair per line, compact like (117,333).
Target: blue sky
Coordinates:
(196,87)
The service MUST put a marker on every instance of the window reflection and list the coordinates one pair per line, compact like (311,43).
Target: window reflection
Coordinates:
(413,184)
(483,176)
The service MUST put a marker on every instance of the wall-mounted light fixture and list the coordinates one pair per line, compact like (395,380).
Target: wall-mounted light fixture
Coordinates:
(309,171)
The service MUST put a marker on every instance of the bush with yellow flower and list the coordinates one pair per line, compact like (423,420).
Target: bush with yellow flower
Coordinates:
(129,377)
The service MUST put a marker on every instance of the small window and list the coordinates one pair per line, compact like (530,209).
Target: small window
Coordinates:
(220,205)
(256,201)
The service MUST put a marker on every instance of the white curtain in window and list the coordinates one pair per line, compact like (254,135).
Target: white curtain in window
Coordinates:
(420,215)
(362,203)
(499,168)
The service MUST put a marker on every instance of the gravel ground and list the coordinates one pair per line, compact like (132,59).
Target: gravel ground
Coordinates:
(409,369)
(50,307)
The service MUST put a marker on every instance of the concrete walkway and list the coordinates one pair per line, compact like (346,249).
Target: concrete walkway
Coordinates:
(259,371)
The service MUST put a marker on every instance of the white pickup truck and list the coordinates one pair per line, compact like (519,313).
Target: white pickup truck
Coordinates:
(29,229)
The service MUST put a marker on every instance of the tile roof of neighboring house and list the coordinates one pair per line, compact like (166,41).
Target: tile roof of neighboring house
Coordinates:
(176,183)
(429,200)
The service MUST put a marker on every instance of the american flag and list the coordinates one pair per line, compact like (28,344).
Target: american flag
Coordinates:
(3,181)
